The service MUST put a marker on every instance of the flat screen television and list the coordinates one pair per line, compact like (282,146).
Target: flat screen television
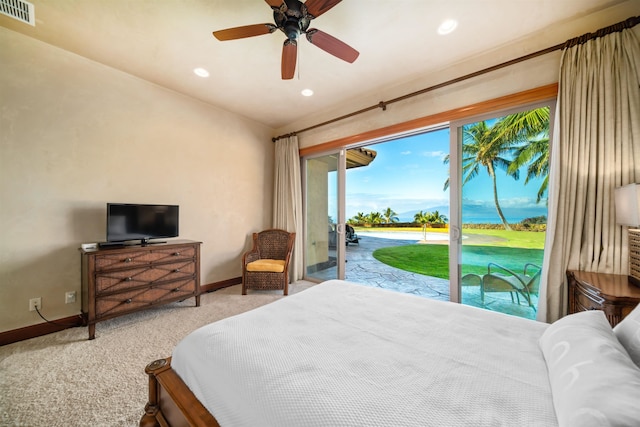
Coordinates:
(127,221)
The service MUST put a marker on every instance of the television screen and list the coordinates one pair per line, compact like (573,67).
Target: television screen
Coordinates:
(141,222)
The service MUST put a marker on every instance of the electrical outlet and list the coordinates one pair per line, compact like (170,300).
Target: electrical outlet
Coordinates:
(70,297)
(35,302)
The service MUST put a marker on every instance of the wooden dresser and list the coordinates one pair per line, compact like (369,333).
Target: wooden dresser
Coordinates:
(123,280)
(613,293)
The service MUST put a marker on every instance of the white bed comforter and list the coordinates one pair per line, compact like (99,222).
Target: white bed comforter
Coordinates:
(341,354)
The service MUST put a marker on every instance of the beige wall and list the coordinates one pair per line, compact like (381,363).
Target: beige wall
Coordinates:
(75,135)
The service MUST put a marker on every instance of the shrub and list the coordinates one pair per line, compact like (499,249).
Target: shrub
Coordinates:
(515,227)
(536,220)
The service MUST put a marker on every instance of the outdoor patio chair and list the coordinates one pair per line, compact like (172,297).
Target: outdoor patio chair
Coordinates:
(504,279)
(351,236)
(471,279)
(266,265)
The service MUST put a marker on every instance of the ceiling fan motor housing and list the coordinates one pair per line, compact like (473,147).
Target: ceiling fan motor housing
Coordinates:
(292,18)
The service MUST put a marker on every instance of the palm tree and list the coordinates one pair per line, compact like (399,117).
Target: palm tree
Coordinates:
(524,134)
(524,126)
(422,218)
(360,218)
(535,155)
(437,218)
(374,218)
(532,128)
(389,216)
(489,147)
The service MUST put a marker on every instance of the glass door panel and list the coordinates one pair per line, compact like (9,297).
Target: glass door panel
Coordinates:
(398,207)
(324,254)
(502,171)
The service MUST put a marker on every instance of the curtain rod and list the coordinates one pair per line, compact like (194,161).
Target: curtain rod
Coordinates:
(628,23)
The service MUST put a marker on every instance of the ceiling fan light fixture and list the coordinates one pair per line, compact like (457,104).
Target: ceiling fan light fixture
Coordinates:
(306,92)
(293,17)
(292,30)
(447,26)
(201,72)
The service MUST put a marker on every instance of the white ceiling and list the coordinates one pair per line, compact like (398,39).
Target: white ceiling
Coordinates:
(162,41)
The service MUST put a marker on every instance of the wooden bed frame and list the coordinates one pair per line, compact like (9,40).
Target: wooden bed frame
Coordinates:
(171,403)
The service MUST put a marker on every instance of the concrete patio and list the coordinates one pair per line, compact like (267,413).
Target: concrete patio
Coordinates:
(363,268)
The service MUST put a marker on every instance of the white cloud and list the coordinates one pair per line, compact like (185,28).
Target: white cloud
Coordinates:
(439,154)
(522,202)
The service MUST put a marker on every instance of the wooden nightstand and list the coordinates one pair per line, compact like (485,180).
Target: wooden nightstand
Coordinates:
(613,293)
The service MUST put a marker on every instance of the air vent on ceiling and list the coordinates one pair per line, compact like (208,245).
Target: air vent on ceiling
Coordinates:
(21,10)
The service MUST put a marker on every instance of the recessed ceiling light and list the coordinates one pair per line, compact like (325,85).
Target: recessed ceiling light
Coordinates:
(306,92)
(201,72)
(447,26)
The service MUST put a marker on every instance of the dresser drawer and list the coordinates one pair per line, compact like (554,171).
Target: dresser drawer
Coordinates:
(586,301)
(129,259)
(135,300)
(113,281)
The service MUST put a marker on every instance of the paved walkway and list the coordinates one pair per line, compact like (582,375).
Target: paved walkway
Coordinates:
(363,268)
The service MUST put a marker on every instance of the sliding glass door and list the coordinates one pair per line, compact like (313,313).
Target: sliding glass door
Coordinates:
(488,187)
(324,214)
(500,209)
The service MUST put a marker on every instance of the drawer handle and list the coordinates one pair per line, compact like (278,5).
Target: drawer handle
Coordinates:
(128,260)
(176,290)
(177,270)
(127,301)
(128,279)
(176,254)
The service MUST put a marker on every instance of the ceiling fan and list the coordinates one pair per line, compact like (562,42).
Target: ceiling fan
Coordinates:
(293,17)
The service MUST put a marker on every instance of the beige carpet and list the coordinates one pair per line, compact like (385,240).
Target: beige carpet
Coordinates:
(63,379)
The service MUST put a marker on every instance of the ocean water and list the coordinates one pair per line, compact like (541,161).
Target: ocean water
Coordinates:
(472,219)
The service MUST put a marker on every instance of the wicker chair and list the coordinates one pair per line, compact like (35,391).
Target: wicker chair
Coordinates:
(266,265)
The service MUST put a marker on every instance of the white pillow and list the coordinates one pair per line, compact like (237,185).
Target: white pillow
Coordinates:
(593,380)
(628,333)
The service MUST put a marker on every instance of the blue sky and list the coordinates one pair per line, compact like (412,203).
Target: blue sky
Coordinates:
(408,175)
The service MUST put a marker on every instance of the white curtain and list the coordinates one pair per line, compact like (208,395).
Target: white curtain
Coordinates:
(596,148)
(287,198)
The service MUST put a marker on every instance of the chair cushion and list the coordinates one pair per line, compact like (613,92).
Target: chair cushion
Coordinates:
(268,265)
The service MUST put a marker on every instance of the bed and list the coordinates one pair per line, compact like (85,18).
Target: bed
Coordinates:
(342,354)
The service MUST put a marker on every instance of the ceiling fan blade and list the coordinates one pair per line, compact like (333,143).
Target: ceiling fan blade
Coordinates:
(318,7)
(244,31)
(332,45)
(289,57)
(274,3)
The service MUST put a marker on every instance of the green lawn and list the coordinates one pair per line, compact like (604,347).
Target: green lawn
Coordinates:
(513,250)
(512,239)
